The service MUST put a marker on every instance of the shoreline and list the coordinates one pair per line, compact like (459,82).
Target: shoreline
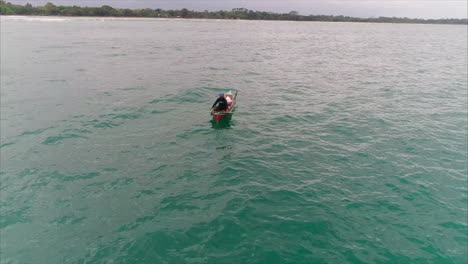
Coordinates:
(230,19)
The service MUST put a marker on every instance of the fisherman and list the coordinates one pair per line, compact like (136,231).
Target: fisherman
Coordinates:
(220,103)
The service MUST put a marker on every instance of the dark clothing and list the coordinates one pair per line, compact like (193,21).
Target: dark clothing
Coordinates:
(222,104)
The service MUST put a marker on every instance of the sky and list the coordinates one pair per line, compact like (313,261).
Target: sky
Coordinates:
(356,8)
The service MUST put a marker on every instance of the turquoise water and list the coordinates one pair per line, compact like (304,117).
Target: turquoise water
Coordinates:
(349,143)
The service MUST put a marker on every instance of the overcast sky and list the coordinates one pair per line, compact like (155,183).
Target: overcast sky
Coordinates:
(357,8)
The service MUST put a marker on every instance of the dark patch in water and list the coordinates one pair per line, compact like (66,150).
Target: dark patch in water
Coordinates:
(145,192)
(66,220)
(133,88)
(6,144)
(27,172)
(117,55)
(159,111)
(105,125)
(191,96)
(218,69)
(155,101)
(59,139)
(101,124)
(252,73)
(286,119)
(157,169)
(85,131)
(66,178)
(136,224)
(18,216)
(127,116)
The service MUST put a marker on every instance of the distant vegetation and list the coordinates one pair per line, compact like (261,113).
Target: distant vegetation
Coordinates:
(237,13)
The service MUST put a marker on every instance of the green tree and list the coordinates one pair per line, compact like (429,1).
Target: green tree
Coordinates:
(128,13)
(185,13)
(75,11)
(6,8)
(50,9)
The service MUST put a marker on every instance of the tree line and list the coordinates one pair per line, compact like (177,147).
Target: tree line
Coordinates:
(50,9)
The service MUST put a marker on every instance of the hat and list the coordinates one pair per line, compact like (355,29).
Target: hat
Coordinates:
(221,94)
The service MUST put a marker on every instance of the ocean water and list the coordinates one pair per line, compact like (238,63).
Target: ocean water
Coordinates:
(348,145)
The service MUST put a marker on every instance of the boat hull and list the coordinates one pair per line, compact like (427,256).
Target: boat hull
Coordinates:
(220,116)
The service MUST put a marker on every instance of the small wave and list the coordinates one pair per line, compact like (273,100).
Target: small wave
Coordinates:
(117,55)
(6,144)
(133,88)
(110,169)
(286,119)
(34,132)
(68,220)
(135,224)
(120,183)
(84,131)
(252,73)
(218,69)
(102,124)
(462,227)
(145,193)
(127,116)
(191,96)
(159,111)
(58,139)
(66,178)
(13,217)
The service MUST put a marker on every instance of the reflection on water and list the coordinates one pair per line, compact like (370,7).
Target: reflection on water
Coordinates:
(223,123)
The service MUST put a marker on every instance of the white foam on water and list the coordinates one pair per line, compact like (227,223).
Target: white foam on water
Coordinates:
(34,18)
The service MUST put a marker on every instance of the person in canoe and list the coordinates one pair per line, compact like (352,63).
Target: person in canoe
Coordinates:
(221,103)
